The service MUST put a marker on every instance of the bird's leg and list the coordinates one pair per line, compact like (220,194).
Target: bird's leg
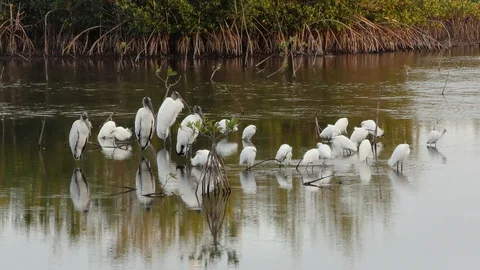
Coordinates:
(402,166)
(397,165)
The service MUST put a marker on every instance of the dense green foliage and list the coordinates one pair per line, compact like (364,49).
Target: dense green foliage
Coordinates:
(187,18)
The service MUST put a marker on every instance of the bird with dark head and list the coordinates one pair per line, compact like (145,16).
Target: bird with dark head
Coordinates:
(175,95)
(145,123)
(198,110)
(147,103)
(78,137)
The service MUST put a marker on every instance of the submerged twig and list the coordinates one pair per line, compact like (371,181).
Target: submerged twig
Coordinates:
(445,85)
(309,183)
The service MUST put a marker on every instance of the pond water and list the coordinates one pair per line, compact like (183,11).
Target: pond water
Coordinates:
(54,216)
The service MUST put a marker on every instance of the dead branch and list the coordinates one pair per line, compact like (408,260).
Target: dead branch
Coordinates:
(41,133)
(445,85)
(261,162)
(309,183)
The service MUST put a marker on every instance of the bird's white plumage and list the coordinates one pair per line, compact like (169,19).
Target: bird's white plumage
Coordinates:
(145,183)
(342,125)
(79,191)
(434,136)
(365,150)
(370,126)
(122,134)
(248,132)
(324,151)
(399,155)
(106,130)
(222,125)
(359,134)
(144,126)
(311,157)
(187,133)
(330,132)
(284,154)
(343,143)
(167,115)
(200,158)
(78,137)
(247,156)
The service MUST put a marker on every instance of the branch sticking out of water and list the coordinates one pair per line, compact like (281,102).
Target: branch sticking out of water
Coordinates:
(215,69)
(261,162)
(41,133)
(376,123)
(309,183)
(317,126)
(445,85)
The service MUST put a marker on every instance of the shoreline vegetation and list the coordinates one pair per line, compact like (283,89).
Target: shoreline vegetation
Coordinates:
(232,28)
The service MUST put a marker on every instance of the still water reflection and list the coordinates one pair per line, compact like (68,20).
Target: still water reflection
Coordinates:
(103,214)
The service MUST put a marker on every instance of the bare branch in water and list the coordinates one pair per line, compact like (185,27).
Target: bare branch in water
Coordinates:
(445,85)
(41,133)
(261,162)
(309,183)
(215,69)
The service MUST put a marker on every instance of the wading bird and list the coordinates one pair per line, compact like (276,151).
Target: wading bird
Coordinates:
(344,144)
(222,125)
(167,114)
(200,158)
(284,154)
(370,126)
(188,131)
(329,132)
(110,130)
(342,125)
(359,134)
(399,155)
(145,123)
(247,156)
(365,150)
(434,136)
(324,151)
(248,132)
(78,136)
(311,157)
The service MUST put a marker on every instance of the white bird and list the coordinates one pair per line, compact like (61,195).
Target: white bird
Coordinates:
(200,158)
(370,126)
(330,132)
(359,134)
(188,131)
(145,123)
(433,137)
(145,184)
(342,125)
(222,125)
(167,114)
(324,151)
(344,144)
(107,129)
(311,157)
(79,191)
(399,156)
(248,132)
(247,156)
(365,150)
(122,134)
(284,154)
(78,136)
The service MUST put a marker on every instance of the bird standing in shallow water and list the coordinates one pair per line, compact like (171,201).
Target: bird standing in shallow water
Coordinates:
(284,154)
(370,126)
(247,156)
(188,131)
(78,136)
(167,114)
(145,123)
(365,150)
(324,151)
(399,155)
(359,134)
(222,125)
(434,136)
(311,157)
(330,132)
(342,125)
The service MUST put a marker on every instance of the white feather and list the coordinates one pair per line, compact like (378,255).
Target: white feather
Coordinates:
(400,154)
(342,125)
(330,132)
(365,150)
(167,115)
(343,143)
(311,157)
(248,132)
(284,154)
(222,125)
(187,133)
(370,126)
(200,158)
(247,156)
(144,126)
(324,151)
(121,133)
(106,130)
(434,136)
(78,137)
(359,134)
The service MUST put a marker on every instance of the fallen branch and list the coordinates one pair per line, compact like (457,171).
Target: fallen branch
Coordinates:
(445,85)
(263,161)
(41,133)
(309,183)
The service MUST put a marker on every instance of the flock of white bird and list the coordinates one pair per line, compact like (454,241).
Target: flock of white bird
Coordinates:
(146,123)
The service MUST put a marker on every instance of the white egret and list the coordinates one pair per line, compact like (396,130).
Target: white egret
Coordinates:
(248,132)
(80,191)
(247,156)
(311,157)
(200,158)
(247,180)
(399,156)
(370,126)
(145,123)
(121,133)
(359,134)
(324,151)
(145,184)
(284,154)
(365,150)
(434,136)
(188,131)
(107,128)
(330,132)
(78,136)
(342,125)
(344,144)
(167,114)
(222,125)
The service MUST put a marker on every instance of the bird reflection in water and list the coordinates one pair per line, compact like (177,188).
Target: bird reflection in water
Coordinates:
(145,184)
(318,180)
(226,148)
(284,178)
(187,187)
(365,172)
(436,155)
(166,172)
(80,191)
(398,179)
(115,151)
(247,180)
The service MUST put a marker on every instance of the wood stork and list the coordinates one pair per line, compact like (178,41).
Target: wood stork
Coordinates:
(188,131)
(145,123)
(167,114)
(78,137)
